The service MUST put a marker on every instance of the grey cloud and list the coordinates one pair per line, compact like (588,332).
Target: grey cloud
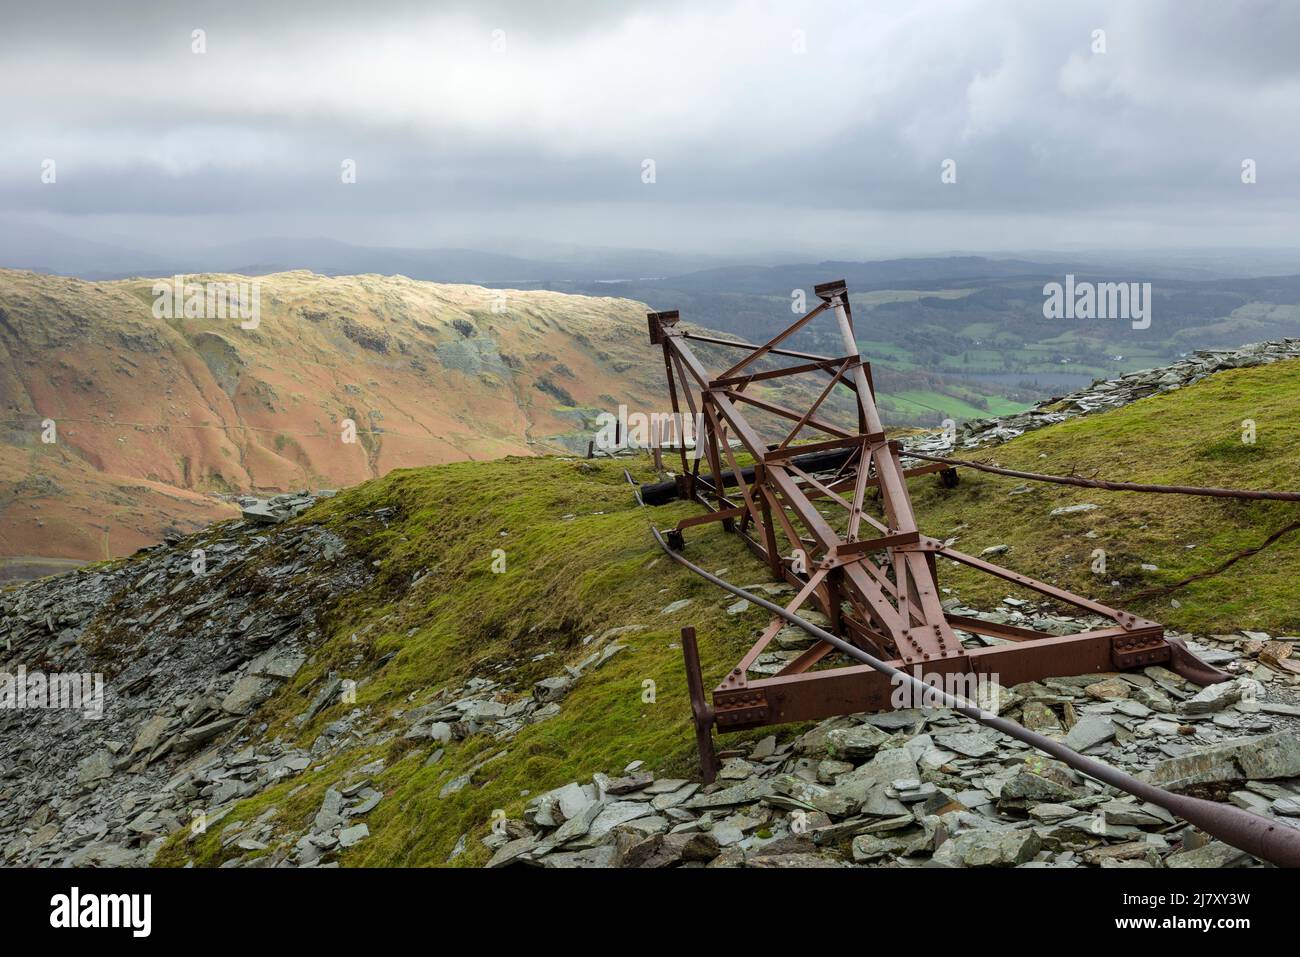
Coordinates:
(452,139)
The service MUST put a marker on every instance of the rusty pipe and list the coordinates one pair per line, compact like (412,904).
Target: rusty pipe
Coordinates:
(1258,836)
(660,493)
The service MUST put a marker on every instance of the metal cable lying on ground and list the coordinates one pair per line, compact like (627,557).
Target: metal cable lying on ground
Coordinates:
(1110,486)
(1161,590)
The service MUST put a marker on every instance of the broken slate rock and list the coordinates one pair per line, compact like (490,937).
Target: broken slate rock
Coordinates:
(353,835)
(746,792)
(973,744)
(670,850)
(613,814)
(1241,759)
(247,693)
(855,744)
(1090,731)
(1027,788)
(989,848)
(94,768)
(1212,698)
(552,689)
(1214,854)
(830,801)
(891,765)
(1073,509)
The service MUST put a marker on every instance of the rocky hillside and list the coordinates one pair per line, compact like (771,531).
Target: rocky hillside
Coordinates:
(161,420)
(422,670)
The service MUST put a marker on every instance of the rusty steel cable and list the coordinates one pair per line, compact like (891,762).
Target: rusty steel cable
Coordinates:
(1161,590)
(1258,836)
(1110,486)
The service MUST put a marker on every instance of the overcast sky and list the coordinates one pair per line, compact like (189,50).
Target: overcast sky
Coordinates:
(538,133)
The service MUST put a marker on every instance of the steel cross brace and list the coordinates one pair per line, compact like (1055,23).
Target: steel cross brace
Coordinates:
(876,585)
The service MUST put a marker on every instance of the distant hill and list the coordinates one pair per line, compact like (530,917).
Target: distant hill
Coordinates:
(860,275)
(967,336)
(155,417)
(41,249)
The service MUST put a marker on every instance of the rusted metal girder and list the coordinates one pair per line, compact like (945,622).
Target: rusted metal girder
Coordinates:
(873,578)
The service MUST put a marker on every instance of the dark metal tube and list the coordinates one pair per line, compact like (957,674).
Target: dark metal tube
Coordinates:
(659,493)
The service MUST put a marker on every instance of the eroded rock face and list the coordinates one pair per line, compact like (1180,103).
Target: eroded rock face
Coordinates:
(359,346)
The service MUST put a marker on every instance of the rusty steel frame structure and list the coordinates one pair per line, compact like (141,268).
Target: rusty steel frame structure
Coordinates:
(876,582)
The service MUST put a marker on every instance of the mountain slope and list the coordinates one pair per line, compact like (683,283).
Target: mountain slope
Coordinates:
(156,416)
(226,690)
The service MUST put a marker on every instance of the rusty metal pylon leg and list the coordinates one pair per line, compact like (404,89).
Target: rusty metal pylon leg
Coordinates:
(702,712)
